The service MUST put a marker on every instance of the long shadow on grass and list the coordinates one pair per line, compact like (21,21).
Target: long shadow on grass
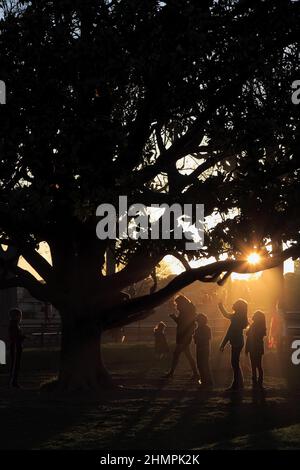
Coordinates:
(197,419)
(159,417)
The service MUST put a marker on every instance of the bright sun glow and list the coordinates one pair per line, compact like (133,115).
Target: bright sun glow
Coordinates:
(254,258)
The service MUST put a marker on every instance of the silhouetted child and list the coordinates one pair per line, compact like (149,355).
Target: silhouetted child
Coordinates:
(202,338)
(255,346)
(185,321)
(161,344)
(238,322)
(16,339)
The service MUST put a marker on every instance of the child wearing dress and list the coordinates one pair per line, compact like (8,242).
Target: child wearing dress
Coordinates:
(202,338)
(255,347)
(234,336)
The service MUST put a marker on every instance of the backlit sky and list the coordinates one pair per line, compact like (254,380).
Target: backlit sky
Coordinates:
(174,265)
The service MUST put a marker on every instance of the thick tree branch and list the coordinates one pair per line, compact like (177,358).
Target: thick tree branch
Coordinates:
(38,263)
(11,275)
(133,309)
(137,269)
(33,257)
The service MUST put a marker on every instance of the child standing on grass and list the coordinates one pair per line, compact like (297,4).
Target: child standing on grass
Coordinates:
(185,321)
(16,339)
(161,344)
(238,322)
(255,347)
(202,338)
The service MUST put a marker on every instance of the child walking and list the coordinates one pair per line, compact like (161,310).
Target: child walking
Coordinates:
(185,320)
(16,339)
(238,322)
(161,344)
(202,338)
(255,347)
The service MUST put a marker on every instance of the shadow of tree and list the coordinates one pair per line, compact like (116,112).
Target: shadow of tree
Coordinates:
(159,415)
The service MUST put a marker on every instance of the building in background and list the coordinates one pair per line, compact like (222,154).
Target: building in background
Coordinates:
(34,311)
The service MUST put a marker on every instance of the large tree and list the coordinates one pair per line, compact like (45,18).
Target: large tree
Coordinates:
(165,102)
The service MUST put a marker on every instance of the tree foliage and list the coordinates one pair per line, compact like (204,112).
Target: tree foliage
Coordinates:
(164,102)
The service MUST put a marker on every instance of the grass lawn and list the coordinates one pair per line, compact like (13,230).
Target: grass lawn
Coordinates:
(149,412)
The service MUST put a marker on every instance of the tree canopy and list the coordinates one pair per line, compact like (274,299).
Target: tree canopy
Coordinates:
(161,101)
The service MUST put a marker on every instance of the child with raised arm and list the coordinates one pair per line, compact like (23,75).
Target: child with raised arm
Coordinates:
(255,346)
(238,322)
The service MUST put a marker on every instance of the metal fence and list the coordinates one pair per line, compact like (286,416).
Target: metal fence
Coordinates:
(45,335)
(40,335)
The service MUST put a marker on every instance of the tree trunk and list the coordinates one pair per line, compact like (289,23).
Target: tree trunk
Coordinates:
(81,363)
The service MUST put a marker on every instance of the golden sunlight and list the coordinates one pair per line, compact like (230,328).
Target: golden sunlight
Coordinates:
(253,258)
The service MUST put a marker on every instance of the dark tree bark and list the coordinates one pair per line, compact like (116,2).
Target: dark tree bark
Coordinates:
(81,363)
